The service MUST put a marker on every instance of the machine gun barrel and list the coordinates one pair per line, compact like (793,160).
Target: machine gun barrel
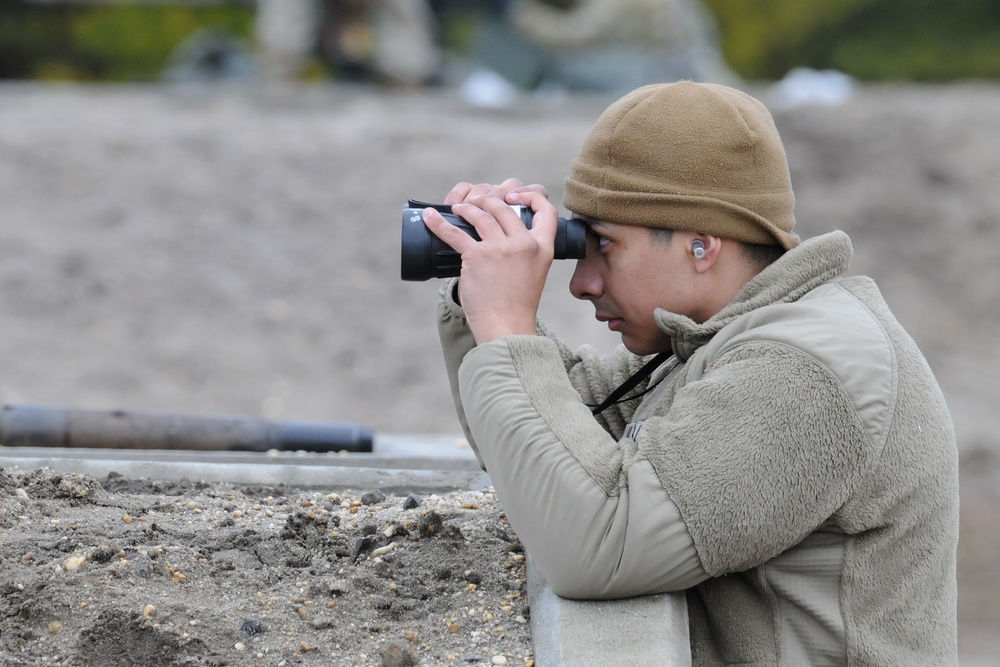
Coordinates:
(24,425)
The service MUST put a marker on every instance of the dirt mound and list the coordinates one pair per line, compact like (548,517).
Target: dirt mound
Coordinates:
(221,575)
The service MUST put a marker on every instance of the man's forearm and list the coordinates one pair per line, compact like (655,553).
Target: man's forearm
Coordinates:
(589,520)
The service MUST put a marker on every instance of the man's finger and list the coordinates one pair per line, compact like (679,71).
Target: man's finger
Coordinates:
(503,216)
(504,188)
(447,232)
(511,196)
(458,193)
(546,217)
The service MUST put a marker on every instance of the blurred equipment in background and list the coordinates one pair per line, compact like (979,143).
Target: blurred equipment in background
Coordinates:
(52,426)
(804,86)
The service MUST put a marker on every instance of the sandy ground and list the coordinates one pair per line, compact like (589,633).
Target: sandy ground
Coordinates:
(237,252)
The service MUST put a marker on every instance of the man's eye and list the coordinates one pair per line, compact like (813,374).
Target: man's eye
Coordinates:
(603,242)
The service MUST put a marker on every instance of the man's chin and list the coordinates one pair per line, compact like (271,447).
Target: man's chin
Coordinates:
(643,349)
(635,348)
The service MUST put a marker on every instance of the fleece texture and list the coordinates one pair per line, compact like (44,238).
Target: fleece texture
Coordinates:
(794,469)
(699,157)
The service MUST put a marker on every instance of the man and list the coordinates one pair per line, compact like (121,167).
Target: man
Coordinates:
(789,461)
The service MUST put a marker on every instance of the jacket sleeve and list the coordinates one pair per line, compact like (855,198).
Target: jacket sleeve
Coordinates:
(456,341)
(589,509)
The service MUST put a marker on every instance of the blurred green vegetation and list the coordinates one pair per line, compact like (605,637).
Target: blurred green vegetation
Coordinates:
(873,40)
(120,42)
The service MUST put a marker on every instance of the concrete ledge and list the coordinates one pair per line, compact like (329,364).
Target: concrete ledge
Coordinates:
(635,632)
(330,476)
(428,463)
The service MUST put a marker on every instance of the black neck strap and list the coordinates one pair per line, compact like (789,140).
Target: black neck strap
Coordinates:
(617,395)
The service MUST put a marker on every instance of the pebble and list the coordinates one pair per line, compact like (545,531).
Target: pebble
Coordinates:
(499,660)
(322,623)
(430,524)
(372,497)
(399,653)
(362,546)
(55,628)
(252,626)
(73,563)
(381,551)
(338,587)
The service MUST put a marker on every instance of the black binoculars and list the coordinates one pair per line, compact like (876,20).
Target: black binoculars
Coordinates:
(425,256)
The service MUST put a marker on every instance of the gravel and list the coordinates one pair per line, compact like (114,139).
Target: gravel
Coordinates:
(127,572)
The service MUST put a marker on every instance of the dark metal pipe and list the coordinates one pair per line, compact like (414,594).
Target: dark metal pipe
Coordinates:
(51,426)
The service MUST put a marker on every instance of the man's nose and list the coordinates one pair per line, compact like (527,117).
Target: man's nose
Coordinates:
(586,282)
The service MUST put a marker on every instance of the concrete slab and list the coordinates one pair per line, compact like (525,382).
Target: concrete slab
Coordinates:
(426,463)
(636,632)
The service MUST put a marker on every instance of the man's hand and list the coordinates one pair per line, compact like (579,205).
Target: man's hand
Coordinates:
(465,191)
(504,273)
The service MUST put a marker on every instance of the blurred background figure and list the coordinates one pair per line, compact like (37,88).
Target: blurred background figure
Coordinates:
(618,45)
(589,45)
(389,41)
(285,32)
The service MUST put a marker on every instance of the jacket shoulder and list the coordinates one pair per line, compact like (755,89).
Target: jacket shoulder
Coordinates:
(835,326)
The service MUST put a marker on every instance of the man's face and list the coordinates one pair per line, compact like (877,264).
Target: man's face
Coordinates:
(627,274)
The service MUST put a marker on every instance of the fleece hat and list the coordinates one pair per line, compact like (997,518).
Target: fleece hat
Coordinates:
(689,156)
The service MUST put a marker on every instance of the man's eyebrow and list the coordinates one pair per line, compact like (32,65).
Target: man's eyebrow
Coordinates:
(590,222)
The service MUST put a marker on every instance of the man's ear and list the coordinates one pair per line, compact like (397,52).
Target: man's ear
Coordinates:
(704,251)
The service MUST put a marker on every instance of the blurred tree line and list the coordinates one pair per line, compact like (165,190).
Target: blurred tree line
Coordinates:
(105,42)
(872,40)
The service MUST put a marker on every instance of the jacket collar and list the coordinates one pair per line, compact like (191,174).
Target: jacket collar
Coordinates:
(799,270)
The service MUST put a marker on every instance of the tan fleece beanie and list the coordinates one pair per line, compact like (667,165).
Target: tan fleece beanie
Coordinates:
(699,157)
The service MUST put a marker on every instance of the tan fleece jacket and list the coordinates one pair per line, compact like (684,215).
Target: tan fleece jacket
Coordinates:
(795,470)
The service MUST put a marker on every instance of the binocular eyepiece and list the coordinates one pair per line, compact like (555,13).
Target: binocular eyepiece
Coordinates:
(425,256)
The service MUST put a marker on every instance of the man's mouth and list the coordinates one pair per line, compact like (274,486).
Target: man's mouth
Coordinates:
(614,323)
